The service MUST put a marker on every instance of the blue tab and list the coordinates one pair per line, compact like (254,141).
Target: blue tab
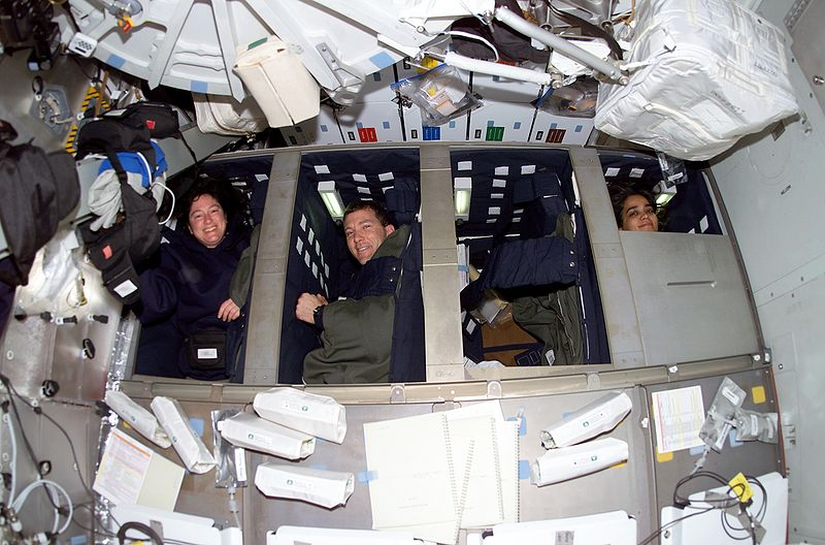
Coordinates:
(732,439)
(696,451)
(523,469)
(382,60)
(78,540)
(199,87)
(322,467)
(115,61)
(367,476)
(197,425)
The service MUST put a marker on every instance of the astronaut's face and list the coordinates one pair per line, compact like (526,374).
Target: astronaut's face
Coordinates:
(365,234)
(638,215)
(207,221)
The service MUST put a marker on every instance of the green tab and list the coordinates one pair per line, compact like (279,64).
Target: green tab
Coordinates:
(256,43)
(495,134)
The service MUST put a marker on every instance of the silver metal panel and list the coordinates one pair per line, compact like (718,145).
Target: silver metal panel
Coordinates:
(751,458)
(809,47)
(589,494)
(621,323)
(49,444)
(773,191)
(689,297)
(794,326)
(442,310)
(267,298)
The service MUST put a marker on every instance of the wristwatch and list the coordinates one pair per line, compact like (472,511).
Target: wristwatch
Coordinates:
(317,316)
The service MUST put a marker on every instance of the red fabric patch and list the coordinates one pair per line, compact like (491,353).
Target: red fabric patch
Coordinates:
(150,124)
(107,251)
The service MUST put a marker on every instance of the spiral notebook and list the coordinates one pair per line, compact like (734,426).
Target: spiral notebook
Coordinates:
(412,477)
(433,474)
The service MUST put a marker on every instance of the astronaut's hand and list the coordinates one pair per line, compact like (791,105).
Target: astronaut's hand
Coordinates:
(307,303)
(229,311)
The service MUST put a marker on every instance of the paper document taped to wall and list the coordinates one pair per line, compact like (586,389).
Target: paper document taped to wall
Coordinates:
(678,416)
(132,473)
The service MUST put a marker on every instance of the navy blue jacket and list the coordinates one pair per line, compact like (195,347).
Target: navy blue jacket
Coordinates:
(191,282)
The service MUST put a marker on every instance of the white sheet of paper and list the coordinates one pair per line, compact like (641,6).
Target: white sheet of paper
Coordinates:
(482,500)
(412,476)
(289,535)
(123,468)
(678,415)
(508,456)
(132,473)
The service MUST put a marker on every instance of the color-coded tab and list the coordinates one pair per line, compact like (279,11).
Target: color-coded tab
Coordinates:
(197,425)
(758,394)
(494,134)
(523,469)
(367,476)
(663,457)
(367,134)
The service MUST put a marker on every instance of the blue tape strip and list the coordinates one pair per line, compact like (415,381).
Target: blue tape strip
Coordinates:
(523,469)
(382,60)
(199,87)
(197,425)
(78,540)
(115,61)
(367,476)
(322,467)
(697,451)
(732,438)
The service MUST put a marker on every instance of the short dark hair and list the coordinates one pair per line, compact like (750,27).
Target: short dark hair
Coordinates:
(378,209)
(618,198)
(231,200)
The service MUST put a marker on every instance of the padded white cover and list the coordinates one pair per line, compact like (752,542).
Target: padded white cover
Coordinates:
(726,77)
(281,85)
(224,115)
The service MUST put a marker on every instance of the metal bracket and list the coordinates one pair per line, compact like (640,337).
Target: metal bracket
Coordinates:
(350,80)
(762,358)
(397,393)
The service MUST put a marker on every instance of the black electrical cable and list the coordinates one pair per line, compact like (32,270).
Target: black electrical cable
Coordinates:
(722,504)
(140,527)
(12,393)
(39,412)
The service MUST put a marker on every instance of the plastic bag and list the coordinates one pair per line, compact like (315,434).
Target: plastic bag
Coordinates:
(439,93)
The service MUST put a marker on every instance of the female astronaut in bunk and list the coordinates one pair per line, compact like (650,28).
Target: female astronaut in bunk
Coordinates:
(636,211)
(193,287)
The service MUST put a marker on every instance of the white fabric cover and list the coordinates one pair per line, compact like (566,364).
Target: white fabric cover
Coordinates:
(281,85)
(716,72)
(224,115)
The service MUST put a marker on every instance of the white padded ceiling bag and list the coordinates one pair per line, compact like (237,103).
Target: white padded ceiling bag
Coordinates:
(223,115)
(714,73)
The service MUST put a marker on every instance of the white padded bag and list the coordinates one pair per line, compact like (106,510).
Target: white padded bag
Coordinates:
(716,72)
(224,115)
(283,88)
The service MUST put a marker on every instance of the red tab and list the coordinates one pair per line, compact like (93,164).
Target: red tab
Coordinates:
(367,134)
(150,124)
(107,251)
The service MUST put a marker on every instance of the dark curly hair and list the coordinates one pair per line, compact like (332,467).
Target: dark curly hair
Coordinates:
(231,200)
(619,195)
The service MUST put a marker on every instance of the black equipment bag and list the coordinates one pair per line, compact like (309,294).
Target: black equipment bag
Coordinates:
(39,189)
(160,119)
(115,251)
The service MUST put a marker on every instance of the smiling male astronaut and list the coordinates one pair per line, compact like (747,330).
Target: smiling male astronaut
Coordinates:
(357,331)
